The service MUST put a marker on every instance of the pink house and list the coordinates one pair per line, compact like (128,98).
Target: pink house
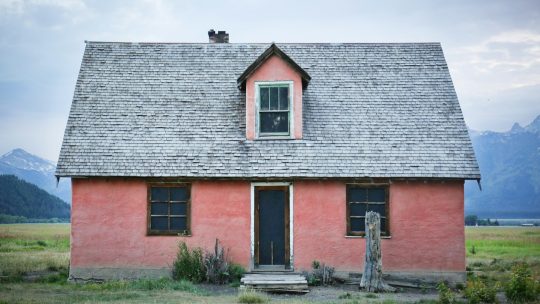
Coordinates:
(277,150)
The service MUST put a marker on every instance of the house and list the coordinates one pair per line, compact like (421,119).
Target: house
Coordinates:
(276,149)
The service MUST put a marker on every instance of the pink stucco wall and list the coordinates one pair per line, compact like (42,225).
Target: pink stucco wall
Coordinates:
(274,69)
(426,224)
(109,223)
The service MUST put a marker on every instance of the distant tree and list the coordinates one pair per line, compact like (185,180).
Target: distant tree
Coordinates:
(22,199)
(471,220)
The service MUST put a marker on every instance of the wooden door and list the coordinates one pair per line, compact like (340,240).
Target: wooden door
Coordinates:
(272,226)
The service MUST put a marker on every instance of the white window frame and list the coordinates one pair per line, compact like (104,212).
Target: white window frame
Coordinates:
(258,84)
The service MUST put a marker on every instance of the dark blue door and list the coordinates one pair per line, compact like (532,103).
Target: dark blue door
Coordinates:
(272,204)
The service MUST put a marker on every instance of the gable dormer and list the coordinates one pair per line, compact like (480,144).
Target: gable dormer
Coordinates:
(273,84)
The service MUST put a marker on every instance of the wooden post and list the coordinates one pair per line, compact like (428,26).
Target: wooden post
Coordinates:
(372,280)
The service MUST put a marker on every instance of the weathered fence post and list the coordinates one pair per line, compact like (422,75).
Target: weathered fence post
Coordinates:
(372,280)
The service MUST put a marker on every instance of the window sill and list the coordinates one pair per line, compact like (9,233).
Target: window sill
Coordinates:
(274,137)
(166,233)
(363,237)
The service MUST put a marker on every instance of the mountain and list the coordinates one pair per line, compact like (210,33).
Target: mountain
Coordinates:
(20,198)
(35,170)
(510,167)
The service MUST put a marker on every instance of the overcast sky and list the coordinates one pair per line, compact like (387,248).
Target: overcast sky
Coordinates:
(492,48)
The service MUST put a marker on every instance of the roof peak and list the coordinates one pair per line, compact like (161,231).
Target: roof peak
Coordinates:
(272,50)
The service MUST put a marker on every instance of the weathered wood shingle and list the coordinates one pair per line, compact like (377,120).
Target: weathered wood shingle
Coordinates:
(370,110)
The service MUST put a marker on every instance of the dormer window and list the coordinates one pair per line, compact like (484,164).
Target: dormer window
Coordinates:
(274,85)
(274,111)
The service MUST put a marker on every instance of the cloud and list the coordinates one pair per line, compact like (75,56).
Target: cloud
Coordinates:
(498,78)
(44,14)
(503,61)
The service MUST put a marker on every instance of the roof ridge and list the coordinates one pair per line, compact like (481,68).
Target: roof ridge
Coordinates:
(265,43)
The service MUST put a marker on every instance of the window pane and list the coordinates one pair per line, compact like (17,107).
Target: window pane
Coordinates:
(357,209)
(357,194)
(159,209)
(179,194)
(283,98)
(264,99)
(159,223)
(178,223)
(178,209)
(160,194)
(379,208)
(383,225)
(358,224)
(376,195)
(273,98)
(274,122)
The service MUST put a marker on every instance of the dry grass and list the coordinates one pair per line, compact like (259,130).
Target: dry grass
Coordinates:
(33,247)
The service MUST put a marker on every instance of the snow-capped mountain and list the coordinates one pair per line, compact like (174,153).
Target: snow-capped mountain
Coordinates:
(35,170)
(510,166)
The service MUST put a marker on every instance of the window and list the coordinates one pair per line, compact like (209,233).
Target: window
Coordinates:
(361,199)
(168,209)
(274,109)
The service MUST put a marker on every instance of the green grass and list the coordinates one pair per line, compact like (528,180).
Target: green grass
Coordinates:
(498,248)
(28,248)
(33,247)
(510,243)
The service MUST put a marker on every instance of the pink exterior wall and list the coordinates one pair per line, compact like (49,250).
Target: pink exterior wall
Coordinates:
(426,227)
(109,225)
(274,69)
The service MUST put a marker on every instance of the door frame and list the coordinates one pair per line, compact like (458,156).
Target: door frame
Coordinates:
(288,238)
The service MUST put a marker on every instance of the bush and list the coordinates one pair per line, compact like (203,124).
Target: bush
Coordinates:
(522,287)
(320,275)
(478,292)
(250,296)
(236,272)
(446,296)
(196,266)
(217,267)
(189,264)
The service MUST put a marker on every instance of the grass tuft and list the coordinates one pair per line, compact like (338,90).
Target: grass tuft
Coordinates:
(249,296)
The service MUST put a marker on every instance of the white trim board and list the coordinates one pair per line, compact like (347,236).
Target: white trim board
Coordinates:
(291,219)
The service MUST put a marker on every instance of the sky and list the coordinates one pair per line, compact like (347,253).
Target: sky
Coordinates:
(492,48)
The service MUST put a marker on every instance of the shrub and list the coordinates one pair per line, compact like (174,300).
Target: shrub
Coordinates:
(188,264)
(320,275)
(522,287)
(217,267)
(478,292)
(235,273)
(250,296)
(446,296)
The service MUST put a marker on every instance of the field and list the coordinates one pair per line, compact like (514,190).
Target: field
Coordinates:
(491,251)
(34,259)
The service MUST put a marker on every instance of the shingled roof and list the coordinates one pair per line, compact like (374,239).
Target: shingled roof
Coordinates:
(174,110)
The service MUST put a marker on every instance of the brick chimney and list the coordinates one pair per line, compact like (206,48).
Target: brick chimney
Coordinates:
(220,37)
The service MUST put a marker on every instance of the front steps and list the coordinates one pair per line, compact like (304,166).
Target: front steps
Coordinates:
(275,282)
